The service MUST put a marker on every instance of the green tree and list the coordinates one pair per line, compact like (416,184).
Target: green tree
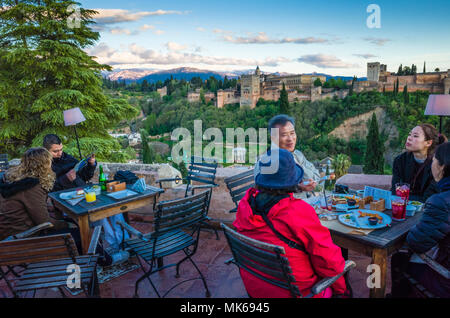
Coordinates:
(340,164)
(424,67)
(317,82)
(405,94)
(373,159)
(44,70)
(284,101)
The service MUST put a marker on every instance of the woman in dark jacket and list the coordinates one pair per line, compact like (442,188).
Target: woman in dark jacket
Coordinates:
(414,165)
(431,235)
(23,194)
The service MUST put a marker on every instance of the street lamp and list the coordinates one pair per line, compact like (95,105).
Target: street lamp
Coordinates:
(72,117)
(438,105)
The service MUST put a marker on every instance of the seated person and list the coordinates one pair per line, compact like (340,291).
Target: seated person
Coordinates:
(431,235)
(414,165)
(23,199)
(63,165)
(298,222)
(23,194)
(286,138)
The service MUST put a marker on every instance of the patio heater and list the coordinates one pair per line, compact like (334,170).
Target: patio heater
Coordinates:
(72,117)
(438,105)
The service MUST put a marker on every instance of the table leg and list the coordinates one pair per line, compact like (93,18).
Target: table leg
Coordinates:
(83,223)
(380,258)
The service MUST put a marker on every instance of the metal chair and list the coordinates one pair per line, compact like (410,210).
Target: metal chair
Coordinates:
(169,236)
(4,165)
(238,186)
(46,260)
(203,171)
(269,263)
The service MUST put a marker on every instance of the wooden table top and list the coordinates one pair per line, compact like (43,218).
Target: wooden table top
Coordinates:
(386,237)
(103,200)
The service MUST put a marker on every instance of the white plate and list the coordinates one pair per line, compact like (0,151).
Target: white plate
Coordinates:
(70,195)
(363,221)
(119,195)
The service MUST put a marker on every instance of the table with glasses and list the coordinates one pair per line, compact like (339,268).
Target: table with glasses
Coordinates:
(378,244)
(105,206)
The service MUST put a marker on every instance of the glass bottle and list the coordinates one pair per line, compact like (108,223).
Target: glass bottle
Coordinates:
(102,179)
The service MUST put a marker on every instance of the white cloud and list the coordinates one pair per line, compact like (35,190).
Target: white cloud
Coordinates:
(109,16)
(200,29)
(377,41)
(365,56)
(146,27)
(172,46)
(325,61)
(137,55)
(263,38)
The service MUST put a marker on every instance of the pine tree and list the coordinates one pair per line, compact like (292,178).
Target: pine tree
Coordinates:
(284,101)
(373,159)
(44,70)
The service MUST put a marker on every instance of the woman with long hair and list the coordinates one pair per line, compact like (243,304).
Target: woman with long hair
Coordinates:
(431,236)
(414,165)
(23,194)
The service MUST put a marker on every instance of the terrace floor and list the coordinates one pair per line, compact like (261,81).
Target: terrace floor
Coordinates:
(223,280)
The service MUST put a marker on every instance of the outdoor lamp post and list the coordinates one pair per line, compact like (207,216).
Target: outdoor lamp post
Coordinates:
(438,105)
(72,117)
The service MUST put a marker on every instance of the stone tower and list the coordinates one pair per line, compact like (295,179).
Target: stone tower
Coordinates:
(373,71)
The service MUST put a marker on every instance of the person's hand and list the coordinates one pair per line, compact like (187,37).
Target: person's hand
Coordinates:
(309,186)
(50,206)
(92,160)
(71,175)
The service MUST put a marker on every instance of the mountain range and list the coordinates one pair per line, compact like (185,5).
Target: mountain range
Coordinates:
(187,73)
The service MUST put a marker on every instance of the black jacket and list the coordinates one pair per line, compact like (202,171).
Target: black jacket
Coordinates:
(434,226)
(402,171)
(61,166)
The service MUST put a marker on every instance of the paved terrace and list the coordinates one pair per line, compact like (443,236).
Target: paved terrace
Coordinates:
(223,280)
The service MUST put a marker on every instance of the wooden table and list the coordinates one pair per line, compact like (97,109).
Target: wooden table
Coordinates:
(379,245)
(84,213)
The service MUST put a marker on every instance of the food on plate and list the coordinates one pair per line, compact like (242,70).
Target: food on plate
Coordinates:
(80,192)
(415,203)
(373,221)
(363,214)
(338,200)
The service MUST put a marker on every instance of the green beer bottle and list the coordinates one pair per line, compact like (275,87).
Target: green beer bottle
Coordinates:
(102,179)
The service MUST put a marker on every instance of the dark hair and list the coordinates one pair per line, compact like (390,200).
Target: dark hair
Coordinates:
(431,133)
(442,155)
(50,140)
(288,190)
(280,120)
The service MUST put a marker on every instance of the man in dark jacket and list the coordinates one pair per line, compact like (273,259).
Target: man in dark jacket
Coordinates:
(64,165)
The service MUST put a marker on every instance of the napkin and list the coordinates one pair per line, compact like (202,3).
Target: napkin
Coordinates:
(139,186)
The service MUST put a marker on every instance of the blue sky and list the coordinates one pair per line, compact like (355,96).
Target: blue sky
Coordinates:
(332,37)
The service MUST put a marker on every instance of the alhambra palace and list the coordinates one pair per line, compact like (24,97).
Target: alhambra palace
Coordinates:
(301,87)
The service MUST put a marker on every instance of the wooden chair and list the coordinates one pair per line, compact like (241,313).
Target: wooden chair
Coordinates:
(238,186)
(168,237)
(418,290)
(203,171)
(4,162)
(260,258)
(46,260)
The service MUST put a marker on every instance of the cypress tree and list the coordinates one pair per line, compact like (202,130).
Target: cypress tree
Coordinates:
(424,67)
(373,159)
(284,101)
(44,70)
(406,95)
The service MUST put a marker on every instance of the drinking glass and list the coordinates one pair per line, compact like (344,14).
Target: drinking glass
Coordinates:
(90,196)
(398,210)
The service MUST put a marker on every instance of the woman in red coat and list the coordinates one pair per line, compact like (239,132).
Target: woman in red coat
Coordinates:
(297,221)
